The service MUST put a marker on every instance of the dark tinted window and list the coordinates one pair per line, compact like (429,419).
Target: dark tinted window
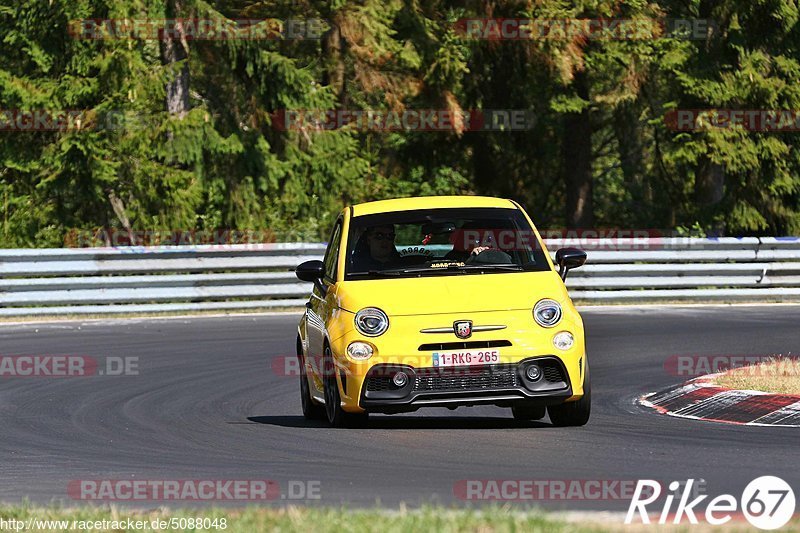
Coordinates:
(442,242)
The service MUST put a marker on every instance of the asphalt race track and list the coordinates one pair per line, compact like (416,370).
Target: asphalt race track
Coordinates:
(206,404)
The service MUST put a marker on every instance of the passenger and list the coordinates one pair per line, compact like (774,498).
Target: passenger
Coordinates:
(375,249)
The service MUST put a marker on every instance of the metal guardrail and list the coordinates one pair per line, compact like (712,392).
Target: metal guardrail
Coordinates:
(237,277)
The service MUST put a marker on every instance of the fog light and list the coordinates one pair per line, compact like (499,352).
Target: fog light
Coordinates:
(400,379)
(359,350)
(534,373)
(563,340)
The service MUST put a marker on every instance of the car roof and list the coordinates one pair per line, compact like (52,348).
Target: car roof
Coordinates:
(429,202)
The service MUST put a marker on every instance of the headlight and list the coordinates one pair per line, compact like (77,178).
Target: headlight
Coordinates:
(563,340)
(372,322)
(547,313)
(359,350)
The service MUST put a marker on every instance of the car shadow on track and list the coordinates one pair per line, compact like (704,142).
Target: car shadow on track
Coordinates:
(408,422)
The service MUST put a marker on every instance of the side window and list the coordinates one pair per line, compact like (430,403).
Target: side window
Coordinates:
(332,253)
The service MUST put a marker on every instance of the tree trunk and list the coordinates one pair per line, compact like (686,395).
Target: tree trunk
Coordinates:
(174,50)
(629,135)
(334,75)
(709,184)
(576,162)
(119,209)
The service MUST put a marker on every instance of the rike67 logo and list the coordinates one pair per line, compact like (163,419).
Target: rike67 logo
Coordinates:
(767,502)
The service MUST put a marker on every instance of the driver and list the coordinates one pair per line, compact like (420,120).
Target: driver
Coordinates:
(469,250)
(379,251)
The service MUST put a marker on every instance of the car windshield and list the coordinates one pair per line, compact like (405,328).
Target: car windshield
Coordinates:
(449,241)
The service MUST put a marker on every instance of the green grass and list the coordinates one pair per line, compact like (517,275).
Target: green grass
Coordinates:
(332,520)
(319,520)
(776,376)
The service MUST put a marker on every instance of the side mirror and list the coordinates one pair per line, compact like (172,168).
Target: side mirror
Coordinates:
(312,271)
(569,258)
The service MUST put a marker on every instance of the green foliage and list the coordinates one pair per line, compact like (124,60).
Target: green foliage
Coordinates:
(223,163)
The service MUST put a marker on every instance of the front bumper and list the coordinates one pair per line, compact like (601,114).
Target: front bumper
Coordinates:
(501,384)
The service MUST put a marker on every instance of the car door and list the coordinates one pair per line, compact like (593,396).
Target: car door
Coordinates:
(319,306)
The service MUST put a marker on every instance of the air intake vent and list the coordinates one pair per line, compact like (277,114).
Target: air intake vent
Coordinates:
(380,384)
(552,374)
(497,377)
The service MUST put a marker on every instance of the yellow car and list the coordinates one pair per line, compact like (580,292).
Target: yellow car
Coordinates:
(441,301)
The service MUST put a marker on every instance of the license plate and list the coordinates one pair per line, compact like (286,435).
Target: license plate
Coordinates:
(466,358)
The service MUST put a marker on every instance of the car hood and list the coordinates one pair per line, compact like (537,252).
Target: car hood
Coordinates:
(471,293)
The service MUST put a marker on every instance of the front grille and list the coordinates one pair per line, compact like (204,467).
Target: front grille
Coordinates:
(497,377)
(465,378)
(465,345)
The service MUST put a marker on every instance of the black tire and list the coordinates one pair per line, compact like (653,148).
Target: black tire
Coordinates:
(528,412)
(311,409)
(337,417)
(574,413)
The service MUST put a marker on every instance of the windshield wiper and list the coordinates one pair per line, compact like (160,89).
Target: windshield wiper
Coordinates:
(377,273)
(456,268)
(490,266)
